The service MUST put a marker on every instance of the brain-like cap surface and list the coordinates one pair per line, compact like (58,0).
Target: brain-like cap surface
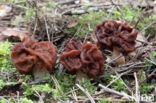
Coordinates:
(71,58)
(30,54)
(86,58)
(92,60)
(72,45)
(116,34)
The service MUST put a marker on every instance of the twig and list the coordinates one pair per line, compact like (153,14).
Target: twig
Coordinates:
(116,92)
(115,59)
(149,76)
(46,28)
(83,11)
(148,26)
(65,2)
(132,66)
(110,13)
(57,84)
(21,7)
(151,62)
(37,82)
(76,32)
(74,95)
(137,89)
(145,42)
(18,99)
(86,92)
(4,99)
(40,97)
(119,76)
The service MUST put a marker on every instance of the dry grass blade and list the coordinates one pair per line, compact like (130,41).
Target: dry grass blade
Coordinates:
(86,92)
(116,92)
(47,28)
(40,97)
(2,98)
(137,89)
(56,84)
(74,94)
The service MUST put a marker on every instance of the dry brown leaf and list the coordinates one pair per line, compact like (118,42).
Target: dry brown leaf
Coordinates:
(132,54)
(140,38)
(108,59)
(4,10)
(72,24)
(13,32)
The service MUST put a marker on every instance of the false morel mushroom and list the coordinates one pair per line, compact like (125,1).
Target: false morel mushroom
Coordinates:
(31,56)
(116,34)
(92,60)
(85,60)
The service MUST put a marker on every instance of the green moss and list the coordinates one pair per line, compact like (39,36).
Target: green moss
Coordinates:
(65,80)
(116,85)
(105,101)
(25,100)
(146,88)
(29,15)
(3,101)
(87,23)
(126,13)
(3,84)
(5,56)
(86,84)
(132,16)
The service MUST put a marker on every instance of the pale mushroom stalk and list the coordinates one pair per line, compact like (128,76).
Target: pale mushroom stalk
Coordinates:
(116,53)
(80,76)
(40,75)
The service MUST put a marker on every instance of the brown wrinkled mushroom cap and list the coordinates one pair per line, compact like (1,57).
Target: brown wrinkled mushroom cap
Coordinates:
(30,54)
(71,61)
(71,58)
(116,34)
(92,60)
(87,59)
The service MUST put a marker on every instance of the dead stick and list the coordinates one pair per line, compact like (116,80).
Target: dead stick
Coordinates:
(86,92)
(116,92)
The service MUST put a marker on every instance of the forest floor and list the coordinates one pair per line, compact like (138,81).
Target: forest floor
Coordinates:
(60,21)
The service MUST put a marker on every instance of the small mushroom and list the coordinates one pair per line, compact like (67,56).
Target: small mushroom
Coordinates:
(71,60)
(84,61)
(116,36)
(34,58)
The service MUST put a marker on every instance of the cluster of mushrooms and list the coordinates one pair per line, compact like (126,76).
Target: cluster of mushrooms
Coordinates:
(31,56)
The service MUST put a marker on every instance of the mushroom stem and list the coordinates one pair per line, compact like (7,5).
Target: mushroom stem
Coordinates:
(80,76)
(40,75)
(116,54)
